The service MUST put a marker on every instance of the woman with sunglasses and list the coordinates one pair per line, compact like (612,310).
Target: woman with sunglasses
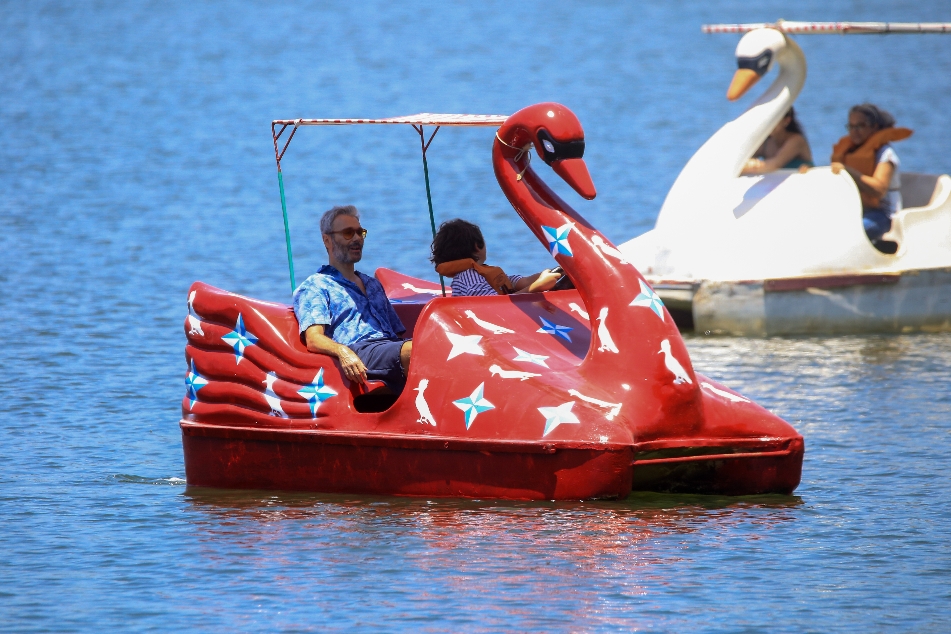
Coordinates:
(786,147)
(867,155)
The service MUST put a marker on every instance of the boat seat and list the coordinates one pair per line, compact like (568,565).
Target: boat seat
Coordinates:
(917,190)
(246,360)
(922,195)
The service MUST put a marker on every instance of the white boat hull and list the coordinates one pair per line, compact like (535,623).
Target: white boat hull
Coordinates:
(913,301)
(807,269)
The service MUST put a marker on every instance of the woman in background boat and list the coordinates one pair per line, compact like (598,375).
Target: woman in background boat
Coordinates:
(867,155)
(786,147)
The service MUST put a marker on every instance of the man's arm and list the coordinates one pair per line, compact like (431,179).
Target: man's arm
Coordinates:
(320,343)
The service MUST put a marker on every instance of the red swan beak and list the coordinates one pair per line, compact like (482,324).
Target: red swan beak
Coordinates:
(575,173)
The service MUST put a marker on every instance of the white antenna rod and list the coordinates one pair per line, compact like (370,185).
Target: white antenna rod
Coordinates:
(843,28)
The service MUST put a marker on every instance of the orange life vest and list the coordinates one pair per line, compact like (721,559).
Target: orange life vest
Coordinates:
(862,158)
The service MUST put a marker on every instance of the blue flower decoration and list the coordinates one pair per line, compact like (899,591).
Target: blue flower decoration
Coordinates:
(649,299)
(193,383)
(558,239)
(239,339)
(474,404)
(316,393)
(555,329)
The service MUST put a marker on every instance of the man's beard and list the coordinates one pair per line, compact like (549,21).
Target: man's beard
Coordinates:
(342,254)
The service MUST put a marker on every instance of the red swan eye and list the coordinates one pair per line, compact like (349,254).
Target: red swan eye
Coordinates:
(554,150)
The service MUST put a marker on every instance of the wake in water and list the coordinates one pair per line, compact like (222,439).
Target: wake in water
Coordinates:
(134,479)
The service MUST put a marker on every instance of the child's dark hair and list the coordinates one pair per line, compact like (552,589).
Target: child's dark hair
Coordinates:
(455,240)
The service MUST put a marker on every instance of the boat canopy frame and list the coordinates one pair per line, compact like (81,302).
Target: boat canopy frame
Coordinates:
(836,28)
(418,121)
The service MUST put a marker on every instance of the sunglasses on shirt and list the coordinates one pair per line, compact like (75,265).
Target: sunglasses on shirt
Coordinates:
(349,232)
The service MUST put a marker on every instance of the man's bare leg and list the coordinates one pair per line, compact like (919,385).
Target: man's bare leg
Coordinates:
(405,352)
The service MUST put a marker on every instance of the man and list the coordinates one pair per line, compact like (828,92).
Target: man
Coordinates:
(345,314)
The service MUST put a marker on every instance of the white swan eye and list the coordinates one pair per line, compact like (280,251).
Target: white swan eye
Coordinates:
(551,113)
(548,146)
(763,61)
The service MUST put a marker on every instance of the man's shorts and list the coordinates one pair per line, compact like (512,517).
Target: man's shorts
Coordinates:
(382,359)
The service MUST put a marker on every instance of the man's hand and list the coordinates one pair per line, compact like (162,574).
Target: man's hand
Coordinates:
(350,363)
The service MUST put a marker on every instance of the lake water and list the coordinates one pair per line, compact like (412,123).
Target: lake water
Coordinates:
(135,158)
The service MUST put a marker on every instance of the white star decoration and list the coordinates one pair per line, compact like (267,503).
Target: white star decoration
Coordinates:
(464,344)
(558,239)
(193,383)
(555,329)
(316,393)
(239,339)
(474,404)
(649,299)
(537,359)
(560,415)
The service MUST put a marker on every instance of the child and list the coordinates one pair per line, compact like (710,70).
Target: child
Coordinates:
(459,252)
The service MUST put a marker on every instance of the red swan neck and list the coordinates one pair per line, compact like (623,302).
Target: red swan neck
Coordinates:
(609,286)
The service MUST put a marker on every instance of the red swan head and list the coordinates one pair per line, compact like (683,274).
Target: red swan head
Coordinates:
(558,138)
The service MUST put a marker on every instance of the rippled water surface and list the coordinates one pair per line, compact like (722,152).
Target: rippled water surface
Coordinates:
(135,158)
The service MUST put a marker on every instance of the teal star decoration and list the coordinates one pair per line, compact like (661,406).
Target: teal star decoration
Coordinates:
(555,416)
(649,299)
(193,383)
(316,393)
(474,404)
(554,329)
(239,339)
(558,239)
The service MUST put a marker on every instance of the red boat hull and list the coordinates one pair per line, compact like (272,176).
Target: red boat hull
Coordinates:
(244,458)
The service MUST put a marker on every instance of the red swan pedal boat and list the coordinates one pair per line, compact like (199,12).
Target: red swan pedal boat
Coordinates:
(575,394)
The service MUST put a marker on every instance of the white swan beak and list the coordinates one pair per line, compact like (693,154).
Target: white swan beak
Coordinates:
(743,80)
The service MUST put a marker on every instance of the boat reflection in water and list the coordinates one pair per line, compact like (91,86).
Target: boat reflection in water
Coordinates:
(427,533)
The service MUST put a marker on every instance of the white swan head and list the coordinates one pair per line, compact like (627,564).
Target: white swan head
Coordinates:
(756,54)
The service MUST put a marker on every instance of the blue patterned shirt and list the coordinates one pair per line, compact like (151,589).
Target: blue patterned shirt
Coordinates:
(327,298)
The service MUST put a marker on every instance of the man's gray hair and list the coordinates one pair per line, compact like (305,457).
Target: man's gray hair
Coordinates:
(327,220)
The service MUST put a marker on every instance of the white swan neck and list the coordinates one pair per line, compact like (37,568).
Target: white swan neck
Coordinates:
(724,155)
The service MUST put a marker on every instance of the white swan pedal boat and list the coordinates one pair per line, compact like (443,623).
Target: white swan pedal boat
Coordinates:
(786,253)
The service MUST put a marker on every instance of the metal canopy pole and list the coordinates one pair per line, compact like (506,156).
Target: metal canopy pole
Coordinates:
(424,145)
(280,182)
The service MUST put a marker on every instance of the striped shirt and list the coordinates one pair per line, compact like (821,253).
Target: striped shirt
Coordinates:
(470,283)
